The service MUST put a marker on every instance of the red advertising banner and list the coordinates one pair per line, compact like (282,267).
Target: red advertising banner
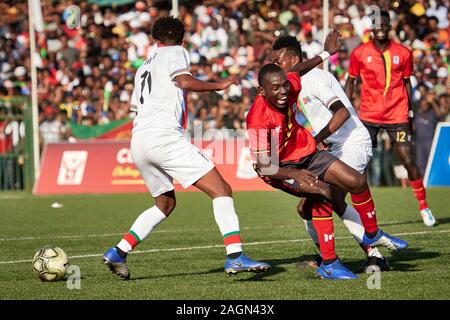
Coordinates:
(107,167)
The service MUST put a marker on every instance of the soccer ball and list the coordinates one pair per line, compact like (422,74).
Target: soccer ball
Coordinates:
(50,263)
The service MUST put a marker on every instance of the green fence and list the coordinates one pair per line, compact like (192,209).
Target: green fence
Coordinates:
(16,144)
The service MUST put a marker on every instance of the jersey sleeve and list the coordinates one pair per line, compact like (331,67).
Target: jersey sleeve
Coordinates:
(321,88)
(258,128)
(354,68)
(178,62)
(408,66)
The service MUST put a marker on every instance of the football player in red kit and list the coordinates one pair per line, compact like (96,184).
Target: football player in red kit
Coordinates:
(385,67)
(284,152)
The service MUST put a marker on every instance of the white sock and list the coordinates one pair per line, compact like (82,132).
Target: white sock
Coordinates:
(352,221)
(312,231)
(228,223)
(141,228)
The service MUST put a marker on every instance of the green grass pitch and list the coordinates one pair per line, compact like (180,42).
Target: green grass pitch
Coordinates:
(184,258)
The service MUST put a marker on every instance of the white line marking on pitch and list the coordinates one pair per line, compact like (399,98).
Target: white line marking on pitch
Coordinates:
(221,246)
(100,235)
(80,236)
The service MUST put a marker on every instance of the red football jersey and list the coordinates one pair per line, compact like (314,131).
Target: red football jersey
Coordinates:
(384,98)
(272,129)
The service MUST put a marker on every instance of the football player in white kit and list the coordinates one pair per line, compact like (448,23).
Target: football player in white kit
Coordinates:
(324,109)
(162,153)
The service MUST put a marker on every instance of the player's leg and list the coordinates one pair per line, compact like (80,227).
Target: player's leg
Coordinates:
(322,191)
(348,215)
(347,178)
(147,221)
(322,223)
(316,214)
(357,155)
(189,166)
(160,185)
(331,267)
(351,220)
(400,136)
(304,209)
(213,184)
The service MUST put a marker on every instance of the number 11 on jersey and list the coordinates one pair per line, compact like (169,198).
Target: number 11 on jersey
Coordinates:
(144,76)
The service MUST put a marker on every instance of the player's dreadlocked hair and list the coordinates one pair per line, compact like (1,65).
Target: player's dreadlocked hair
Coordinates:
(291,44)
(168,30)
(267,69)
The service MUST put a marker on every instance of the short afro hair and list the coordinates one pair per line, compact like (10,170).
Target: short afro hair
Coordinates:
(267,69)
(385,13)
(291,44)
(168,30)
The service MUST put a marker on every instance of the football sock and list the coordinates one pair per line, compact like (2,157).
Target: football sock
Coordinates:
(121,253)
(419,192)
(228,223)
(141,228)
(352,221)
(234,255)
(363,203)
(311,231)
(329,261)
(323,223)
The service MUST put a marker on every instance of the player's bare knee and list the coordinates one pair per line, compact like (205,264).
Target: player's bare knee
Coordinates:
(357,183)
(225,190)
(408,163)
(361,184)
(167,205)
(221,190)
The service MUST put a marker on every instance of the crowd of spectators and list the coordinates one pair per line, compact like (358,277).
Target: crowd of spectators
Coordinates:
(85,73)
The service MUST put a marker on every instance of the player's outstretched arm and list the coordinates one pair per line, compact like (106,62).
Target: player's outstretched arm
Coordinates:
(331,46)
(349,87)
(340,115)
(188,82)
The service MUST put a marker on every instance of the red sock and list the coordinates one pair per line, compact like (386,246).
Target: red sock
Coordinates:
(363,203)
(419,192)
(323,223)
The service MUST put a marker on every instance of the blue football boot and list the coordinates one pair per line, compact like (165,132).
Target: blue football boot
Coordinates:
(335,271)
(385,240)
(244,263)
(116,263)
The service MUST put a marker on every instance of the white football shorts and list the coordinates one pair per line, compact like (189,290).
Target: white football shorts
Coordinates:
(355,155)
(163,155)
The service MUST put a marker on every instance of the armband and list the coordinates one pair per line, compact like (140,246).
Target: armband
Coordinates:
(324,55)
